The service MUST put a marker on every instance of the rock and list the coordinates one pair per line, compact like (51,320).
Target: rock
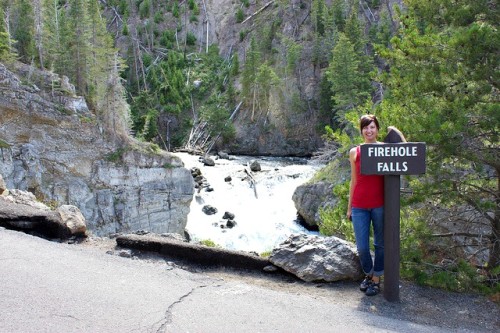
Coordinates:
(228,179)
(223,155)
(29,219)
(117,184)
(125,253)
(209,210)
(26,198)
(73,219)
(255,166)
(228,216)
(208,161)
(309,198)
(230,224)
(66,86)
(197,83)
(270,269)
(315,258)
(174,236)
(3,187)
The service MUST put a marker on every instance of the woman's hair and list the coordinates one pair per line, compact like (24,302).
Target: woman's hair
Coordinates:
(366,120)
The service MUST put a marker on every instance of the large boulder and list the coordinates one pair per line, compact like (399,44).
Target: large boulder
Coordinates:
(29,219)
(19,210)
(318,258)
(317,194)
(309,198)
(73,219)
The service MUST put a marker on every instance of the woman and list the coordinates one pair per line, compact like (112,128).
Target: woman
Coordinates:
(366,209)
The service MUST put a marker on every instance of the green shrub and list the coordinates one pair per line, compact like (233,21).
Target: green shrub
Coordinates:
(190,39)
(116,156)
(266,254)
(158,17)
(240,16)
(4,144)
(209,243)
(144,9)
(333,220)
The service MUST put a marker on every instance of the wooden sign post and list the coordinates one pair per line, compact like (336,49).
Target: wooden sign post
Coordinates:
(392,159)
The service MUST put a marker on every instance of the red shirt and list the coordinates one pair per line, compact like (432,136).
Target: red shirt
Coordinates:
(369,189)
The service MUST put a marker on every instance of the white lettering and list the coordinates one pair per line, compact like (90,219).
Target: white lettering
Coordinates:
(394,151)
(392,167)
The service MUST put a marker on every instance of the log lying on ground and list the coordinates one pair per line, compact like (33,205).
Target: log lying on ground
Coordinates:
(200,254)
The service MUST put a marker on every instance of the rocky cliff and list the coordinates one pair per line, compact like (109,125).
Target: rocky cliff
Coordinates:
(52,145)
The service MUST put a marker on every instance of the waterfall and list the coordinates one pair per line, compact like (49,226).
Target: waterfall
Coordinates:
(264,213)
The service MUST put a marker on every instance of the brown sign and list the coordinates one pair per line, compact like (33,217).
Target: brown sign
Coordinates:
(393,158)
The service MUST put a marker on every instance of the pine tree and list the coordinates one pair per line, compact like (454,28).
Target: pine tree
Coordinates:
(101,55)
(114,106)
(7,52)
(50,35)
(443,90)
(347,80)
(249,89)
(23,30)
(77,44)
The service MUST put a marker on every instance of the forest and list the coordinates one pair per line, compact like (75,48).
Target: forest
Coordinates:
(431,67)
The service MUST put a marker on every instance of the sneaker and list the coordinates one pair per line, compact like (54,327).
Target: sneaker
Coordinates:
(365,283)
(373,289)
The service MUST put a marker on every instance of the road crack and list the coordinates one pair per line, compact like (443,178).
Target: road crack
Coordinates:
(168,318)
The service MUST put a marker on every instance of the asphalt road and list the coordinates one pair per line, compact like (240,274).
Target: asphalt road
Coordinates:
(52,287)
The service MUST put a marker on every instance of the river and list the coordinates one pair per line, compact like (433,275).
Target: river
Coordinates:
(265,214)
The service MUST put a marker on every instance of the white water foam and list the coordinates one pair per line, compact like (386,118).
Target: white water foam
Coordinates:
(265,215)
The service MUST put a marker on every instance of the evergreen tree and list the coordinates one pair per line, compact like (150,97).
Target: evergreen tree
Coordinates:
(443,90)
(347,80)
(354,32)
(7,52)
(114,106)
(338,14)
(23,30)
(318,9)
(266,80)
(249,89)
(77,44)
(101,60)
(50,35)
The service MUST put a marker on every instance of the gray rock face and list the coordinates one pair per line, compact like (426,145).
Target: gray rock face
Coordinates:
(309,198)
(316,258)
(54,148)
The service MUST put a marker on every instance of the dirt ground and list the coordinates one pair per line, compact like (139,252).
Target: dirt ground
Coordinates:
(422,305)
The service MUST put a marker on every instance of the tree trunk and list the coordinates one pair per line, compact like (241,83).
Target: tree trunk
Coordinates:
(494,259)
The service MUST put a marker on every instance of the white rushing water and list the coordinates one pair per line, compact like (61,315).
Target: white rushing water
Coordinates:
(265,215)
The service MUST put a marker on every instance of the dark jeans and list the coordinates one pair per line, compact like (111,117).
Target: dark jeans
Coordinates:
(362,220)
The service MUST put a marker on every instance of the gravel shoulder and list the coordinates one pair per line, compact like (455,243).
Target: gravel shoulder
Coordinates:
(422,305)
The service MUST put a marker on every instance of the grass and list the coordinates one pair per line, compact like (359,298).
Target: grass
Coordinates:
(4,144)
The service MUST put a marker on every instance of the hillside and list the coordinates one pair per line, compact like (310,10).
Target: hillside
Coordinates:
(286,104)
